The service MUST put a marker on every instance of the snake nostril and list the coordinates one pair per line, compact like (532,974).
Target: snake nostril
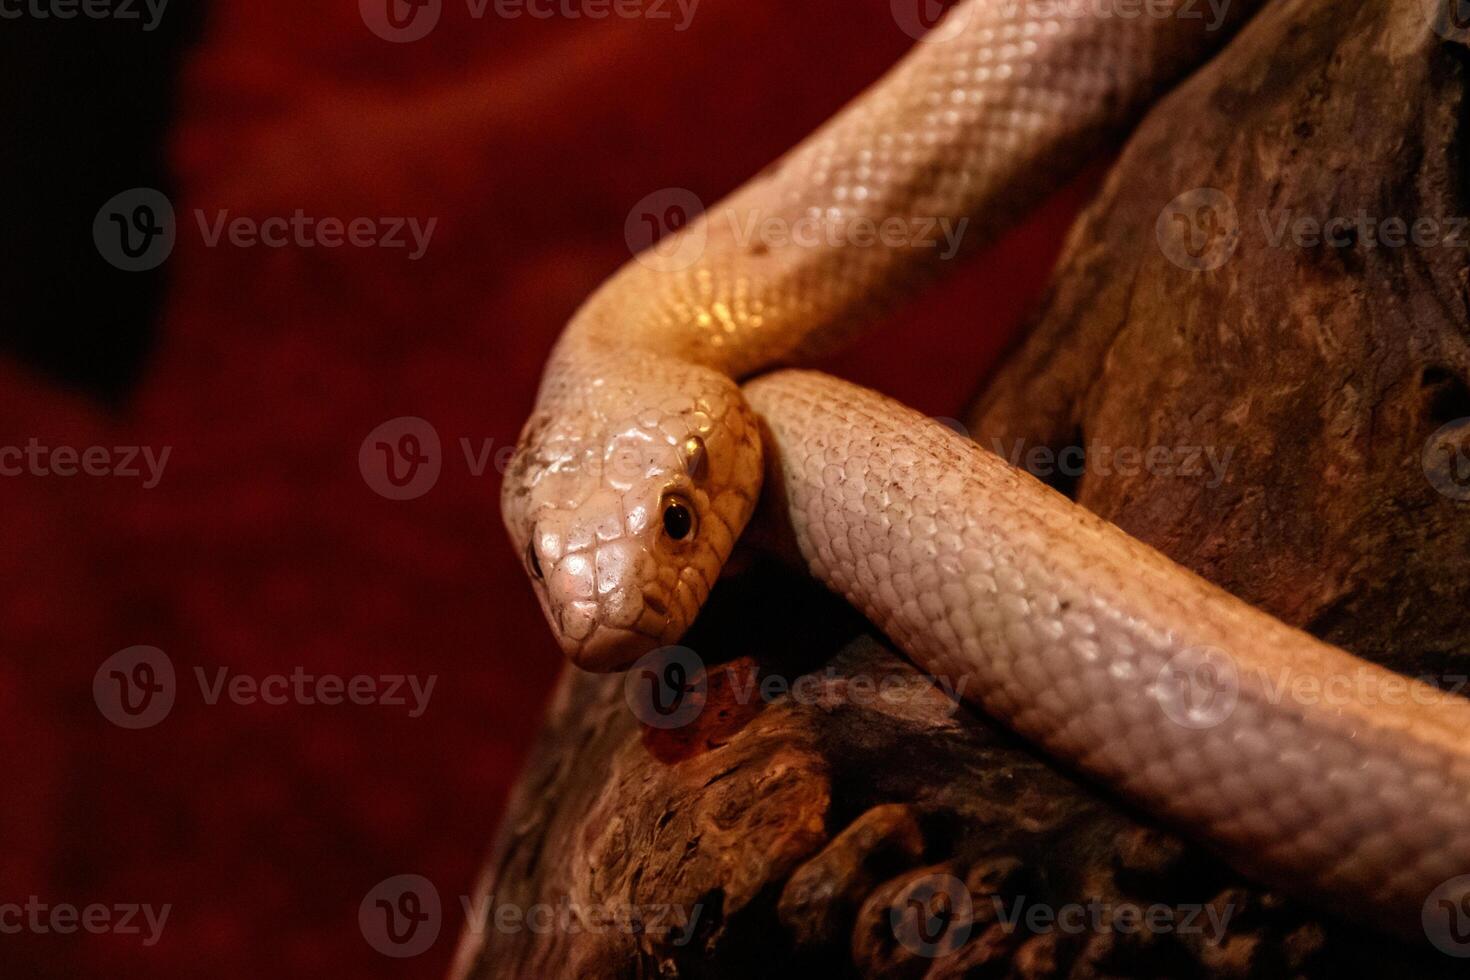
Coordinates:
(658,606)
(532,562)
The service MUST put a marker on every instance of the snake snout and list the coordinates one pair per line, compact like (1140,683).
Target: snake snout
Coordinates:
(587,639)
(602,607)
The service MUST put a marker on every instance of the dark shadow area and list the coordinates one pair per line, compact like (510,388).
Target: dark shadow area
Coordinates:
(86,110)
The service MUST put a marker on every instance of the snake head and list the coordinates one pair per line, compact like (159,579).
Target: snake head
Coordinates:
(624,499)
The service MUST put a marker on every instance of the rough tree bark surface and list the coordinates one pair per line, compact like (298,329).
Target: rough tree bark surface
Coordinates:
(826,828)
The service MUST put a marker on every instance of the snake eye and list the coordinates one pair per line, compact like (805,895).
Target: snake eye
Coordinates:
(678,518)
(532,562)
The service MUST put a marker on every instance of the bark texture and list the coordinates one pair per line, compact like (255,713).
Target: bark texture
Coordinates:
(858,823)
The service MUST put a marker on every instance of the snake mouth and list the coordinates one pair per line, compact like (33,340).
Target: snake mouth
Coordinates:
(610,649)
(613,648)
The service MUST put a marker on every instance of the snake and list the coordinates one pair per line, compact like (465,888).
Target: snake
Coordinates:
(675,399)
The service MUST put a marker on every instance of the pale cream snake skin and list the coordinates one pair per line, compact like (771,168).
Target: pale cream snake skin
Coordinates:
(642,463)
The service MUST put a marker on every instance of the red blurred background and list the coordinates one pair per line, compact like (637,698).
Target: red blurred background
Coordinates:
(263,549)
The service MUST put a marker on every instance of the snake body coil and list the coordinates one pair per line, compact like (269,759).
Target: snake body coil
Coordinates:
(642,463)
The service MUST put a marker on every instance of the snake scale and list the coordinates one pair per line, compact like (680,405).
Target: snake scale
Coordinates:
(643,460)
